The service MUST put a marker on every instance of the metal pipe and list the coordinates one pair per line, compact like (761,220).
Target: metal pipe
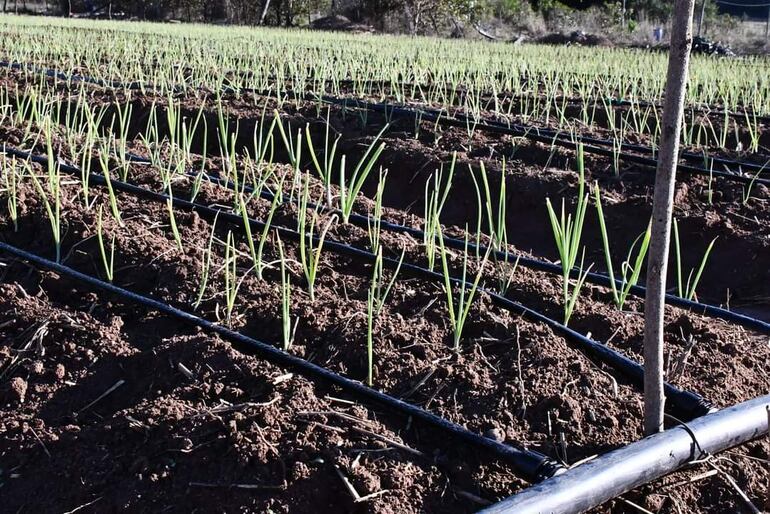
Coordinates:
(617,472)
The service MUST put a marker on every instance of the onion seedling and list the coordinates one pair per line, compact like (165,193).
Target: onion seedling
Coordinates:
(746,192)
(375,300)
(688,292)
(263,143)
(435,199)
(9,177)
(567,232)
(286,329)
(324,168)
(310,248)
(627,282)
(374,222)
(380,294)
(206,266)
(109,264)
(232,283)
(124,119)
(349,190)
(294,149)
(172,220)
(458,312)
(495,220)
(505,276)
(104,161)
(53,211)
(258,250)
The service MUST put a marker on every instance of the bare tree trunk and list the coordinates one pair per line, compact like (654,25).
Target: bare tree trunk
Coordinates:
(702,15)
(263,14)
(662,209)
(289,13)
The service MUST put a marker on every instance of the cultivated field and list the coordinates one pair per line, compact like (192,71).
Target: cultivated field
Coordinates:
(286,271)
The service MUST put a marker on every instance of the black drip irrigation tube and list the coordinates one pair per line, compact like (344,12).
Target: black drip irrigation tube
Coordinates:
(530,465)
(542,135)
(528,262)
(685,404)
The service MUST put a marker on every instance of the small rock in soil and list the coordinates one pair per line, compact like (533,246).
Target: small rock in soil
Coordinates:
(16,390)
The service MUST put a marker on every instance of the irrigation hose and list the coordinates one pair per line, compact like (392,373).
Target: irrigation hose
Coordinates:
(685,404)
(608,476)
(530,465)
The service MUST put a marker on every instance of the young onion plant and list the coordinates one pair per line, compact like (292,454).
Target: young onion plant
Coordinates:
(375,300)
(688,290)
(105,165)
(172,220)
(435,198)
(257,250)
(206,266)
(349,189)
(232,282)
(495,217)
(567,232)
(52,207)
(108,263)
(324,167)
(374,222)
(629,273)
(458,309)
(287,331)
(310,247)
(11,190)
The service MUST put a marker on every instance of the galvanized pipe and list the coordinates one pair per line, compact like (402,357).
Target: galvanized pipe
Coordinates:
(617,472)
